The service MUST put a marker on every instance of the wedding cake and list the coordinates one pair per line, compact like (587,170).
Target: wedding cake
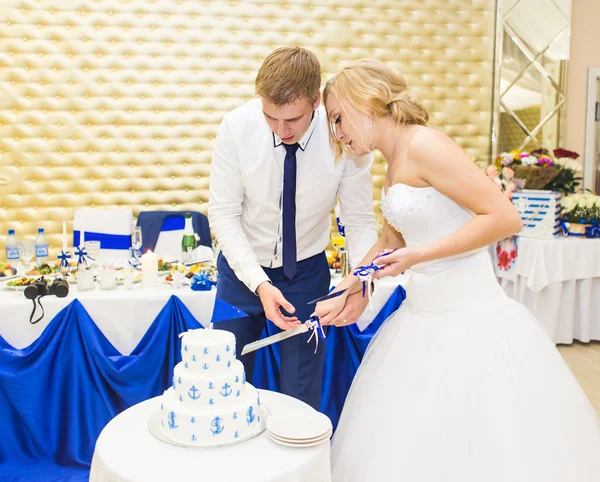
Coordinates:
(210,402)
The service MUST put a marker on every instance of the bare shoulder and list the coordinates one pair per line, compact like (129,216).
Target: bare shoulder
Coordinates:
(426,141)
(429,148)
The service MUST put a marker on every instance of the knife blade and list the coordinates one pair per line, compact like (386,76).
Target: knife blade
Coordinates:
(327,297)
(255,345)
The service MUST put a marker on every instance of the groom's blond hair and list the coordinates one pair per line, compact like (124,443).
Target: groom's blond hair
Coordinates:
(287,74)
(375,89)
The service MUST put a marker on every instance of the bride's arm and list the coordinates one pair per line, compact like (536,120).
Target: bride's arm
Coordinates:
(329,311)
(446,166)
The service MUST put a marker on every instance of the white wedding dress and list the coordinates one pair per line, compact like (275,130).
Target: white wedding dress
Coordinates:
(461,384)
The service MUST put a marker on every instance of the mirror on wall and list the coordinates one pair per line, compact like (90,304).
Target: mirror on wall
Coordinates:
(532,49)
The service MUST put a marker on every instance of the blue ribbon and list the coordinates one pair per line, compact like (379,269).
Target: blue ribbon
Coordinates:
(314,324)
(593,231)
(64,256)
(107,241)
(135,261)
(364,273)
(341,227)
(82,255)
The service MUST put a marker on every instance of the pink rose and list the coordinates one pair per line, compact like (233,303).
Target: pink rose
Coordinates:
(507,172)
(492,172)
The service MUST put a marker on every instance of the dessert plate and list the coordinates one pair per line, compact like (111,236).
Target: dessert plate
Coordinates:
(304,428)
(297,445)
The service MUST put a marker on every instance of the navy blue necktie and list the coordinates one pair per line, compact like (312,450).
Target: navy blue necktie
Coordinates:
(289,211)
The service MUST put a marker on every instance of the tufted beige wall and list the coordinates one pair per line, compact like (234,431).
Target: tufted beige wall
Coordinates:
(116,103)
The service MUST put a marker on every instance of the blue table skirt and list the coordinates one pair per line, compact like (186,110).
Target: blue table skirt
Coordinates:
(57,394)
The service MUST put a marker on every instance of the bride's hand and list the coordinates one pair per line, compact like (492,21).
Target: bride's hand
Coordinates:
(328,310)
(396,262)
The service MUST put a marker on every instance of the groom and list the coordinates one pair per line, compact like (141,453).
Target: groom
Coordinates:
(273,184)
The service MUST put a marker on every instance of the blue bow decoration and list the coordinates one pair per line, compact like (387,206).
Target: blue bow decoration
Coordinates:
(365,273)
(202,282)
(64,257)
(314,324)
(82,255)
(135,261)
(593,231)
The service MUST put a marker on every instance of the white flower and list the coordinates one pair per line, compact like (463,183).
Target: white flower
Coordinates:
(568,203)
(582,203)
(598,201)
(570,163)
(590,203)
(529,161)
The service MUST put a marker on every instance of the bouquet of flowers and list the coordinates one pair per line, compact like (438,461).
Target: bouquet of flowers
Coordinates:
(582,213)
(505,179)
(540,170)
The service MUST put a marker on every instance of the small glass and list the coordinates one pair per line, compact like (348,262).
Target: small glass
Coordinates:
(136,238)
(26,251)
(92,248)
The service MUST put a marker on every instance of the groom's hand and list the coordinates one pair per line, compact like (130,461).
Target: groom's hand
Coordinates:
(273,300)
(354,307)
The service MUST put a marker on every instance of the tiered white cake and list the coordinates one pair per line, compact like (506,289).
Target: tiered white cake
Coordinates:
(210,402)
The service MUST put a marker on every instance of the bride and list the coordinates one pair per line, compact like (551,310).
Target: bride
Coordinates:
(461,384)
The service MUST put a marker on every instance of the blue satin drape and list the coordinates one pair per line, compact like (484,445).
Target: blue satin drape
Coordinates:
(57,394)
(345,349)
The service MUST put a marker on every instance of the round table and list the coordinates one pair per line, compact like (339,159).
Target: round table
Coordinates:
(127,451)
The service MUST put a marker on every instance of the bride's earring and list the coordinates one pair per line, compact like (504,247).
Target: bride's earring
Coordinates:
(370,123)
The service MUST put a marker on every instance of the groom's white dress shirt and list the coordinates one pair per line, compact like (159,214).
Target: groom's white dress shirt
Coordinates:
(246,186)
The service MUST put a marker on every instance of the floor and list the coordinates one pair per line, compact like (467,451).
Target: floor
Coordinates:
(584,361)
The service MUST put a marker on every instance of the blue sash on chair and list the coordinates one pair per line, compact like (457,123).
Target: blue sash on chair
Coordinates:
(107,241)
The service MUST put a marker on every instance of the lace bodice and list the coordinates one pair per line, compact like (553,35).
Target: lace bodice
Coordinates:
(422,215)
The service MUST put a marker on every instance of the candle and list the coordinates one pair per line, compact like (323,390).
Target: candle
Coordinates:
(64,236)
(150,270)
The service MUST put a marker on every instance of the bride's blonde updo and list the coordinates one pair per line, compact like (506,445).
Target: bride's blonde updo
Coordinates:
(376,90)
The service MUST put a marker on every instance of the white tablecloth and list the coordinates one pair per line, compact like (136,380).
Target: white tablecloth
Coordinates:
(127,451)
(125,316)
(122,316)
(559,281)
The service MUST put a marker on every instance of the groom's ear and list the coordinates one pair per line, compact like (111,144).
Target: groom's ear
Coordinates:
(317,101)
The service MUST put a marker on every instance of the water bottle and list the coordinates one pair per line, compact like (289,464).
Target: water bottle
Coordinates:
(41,247)
(188,243)
(12,247)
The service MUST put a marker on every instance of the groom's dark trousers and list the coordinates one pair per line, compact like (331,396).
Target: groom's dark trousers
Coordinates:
(301,369)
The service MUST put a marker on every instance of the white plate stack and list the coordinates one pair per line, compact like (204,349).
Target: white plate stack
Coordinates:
(299,430)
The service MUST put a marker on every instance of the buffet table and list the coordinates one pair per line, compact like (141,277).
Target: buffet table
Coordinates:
(255,460)
(559,281)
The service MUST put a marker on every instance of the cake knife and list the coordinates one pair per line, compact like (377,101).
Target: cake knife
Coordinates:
(255,345)
(312,324)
